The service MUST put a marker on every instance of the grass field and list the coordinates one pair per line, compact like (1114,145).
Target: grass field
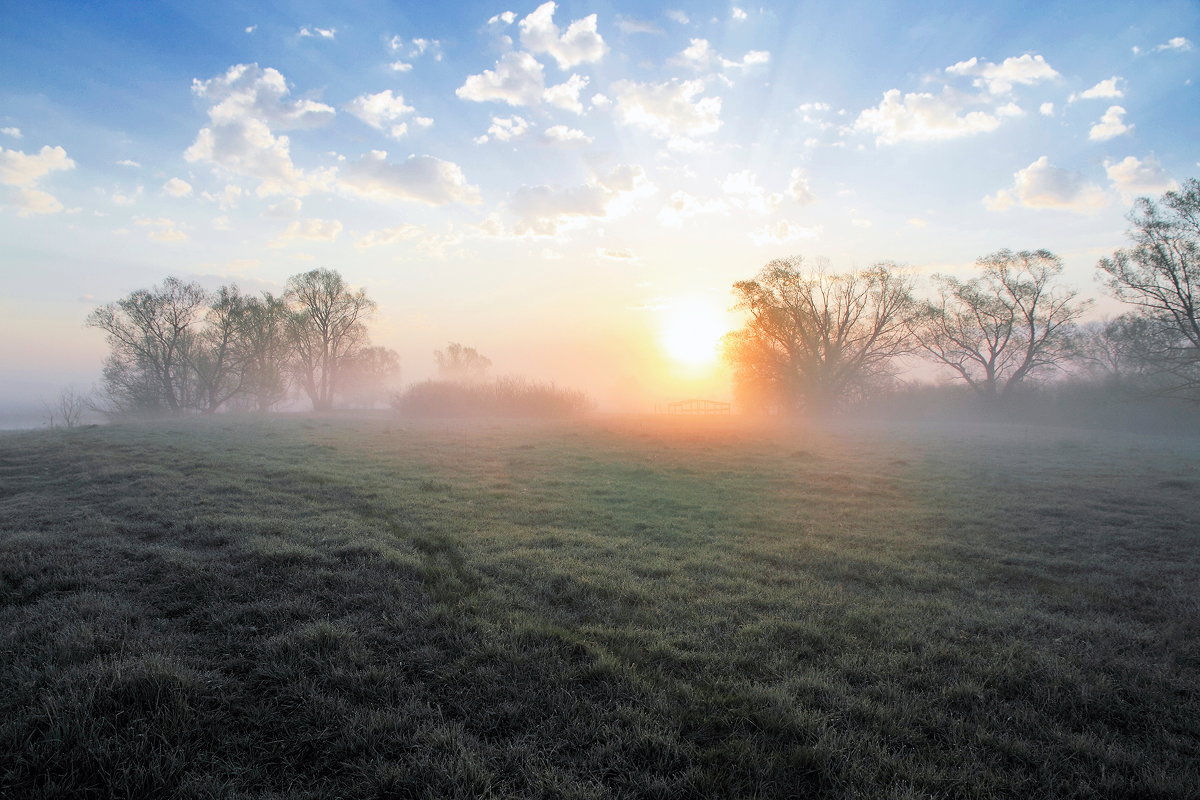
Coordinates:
(370,607)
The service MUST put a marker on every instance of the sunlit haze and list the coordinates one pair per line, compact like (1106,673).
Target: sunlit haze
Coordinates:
(570,188)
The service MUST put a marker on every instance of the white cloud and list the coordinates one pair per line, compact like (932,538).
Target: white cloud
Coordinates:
(127,199)
(163,229)
(566,95)
(742,191)
(601,102)
(381,111)
(125,162)
(1177,43)
(561,134)
(20,172)
(228,196)
(386,236)
(1000,78)
(1135,178)
(177,187)
(518,80)
(580,44)
(505,129)
(313,230)
(247,102)
(422,179)
(676,15)
(782,231)
(1046,109)
(250,28)
(317,33)
(288,208)
(1110,126)
(630,25)
(682,206)
(1104,89)
(699,54)
(13,132)
(547,210)
(922,117)
(798,188)
(737,14)
(400,66)
(1041,185)
(506,18)
(615,254)
(1010,110)
(671,110)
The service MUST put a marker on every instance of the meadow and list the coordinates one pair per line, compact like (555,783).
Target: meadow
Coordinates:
(373,607)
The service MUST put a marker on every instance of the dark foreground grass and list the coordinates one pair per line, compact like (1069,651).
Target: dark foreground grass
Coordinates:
(357,608)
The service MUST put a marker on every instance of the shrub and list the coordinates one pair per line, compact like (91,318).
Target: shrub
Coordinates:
(502,397)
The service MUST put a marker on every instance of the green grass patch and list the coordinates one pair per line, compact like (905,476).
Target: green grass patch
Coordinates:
(357,607)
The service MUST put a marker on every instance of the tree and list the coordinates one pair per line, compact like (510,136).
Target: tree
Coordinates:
(219,355)
(366,377)
(152,339)
(266,350)
(326,330)
(1160,276)
(814,339)
(462,364)
(1003,328)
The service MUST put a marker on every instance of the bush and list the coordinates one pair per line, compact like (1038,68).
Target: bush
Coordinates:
(502,397)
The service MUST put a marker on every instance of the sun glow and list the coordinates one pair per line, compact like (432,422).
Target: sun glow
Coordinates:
(691,331)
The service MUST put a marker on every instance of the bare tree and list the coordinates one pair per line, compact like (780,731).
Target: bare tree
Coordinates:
(266,350)
(152,339)
(1160,275)
(462,364)
(326,330)
(367,377)
(67,409)
(813,338)
(1005,327)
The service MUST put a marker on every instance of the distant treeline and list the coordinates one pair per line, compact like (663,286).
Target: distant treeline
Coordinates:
(816,341)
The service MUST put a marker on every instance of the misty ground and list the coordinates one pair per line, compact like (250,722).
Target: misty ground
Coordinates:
(623,607)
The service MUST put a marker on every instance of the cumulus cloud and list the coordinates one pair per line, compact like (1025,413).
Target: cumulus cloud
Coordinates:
(672,110)
(1000,78)
(313,230)
(177,187)
(422,179)
(700,55)
(1104,89)
(1046,109)
(548,210)
(922,117)
(386,236)
(566,95)
(162,229)
(13,132)
(1176,43)
(798,188)
(743,192)
(1110,126)
(518,80)
(1135,178)
(317,33)
(506,18)
(737,14)
(681,206)
(579,44)
(1041,185)
(20,173)
(561,134)
(248,102)
(381,111)
(504,129)
(782,231)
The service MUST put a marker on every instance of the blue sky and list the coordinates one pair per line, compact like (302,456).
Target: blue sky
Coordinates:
(546,182)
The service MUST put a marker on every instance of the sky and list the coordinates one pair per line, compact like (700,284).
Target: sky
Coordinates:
(569,186)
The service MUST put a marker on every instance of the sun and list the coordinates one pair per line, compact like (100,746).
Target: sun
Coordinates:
(691,331)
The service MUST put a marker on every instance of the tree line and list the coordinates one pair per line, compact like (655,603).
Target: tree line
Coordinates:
(176,347)
(814,340)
